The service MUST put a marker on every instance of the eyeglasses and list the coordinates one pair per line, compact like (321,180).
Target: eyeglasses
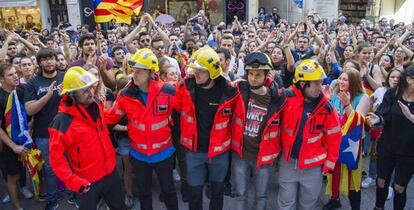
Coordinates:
(145,40)
(47,59)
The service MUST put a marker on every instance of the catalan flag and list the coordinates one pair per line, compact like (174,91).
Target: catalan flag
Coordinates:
(18,130)
(120,10)
(351,140)
(348,174)
(16,121)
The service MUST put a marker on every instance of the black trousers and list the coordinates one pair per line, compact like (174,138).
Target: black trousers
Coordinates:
(143,173)
(109,188)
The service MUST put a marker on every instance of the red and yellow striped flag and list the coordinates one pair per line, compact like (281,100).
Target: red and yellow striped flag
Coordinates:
(120,10)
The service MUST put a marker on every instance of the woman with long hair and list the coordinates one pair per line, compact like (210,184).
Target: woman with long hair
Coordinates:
(352,104)
(370,73)
(395,146)
(283,63)
(386,63)
(348,53)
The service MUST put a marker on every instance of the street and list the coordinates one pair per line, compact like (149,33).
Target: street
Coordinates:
(368,199)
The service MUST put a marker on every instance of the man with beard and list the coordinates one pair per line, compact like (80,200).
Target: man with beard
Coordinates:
(343,41)
(41,99)
(158,48)
(144,38)
(61,64)
(87,43)
(304,49)
(9,49)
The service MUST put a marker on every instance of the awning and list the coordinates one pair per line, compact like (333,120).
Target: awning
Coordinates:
(20,3)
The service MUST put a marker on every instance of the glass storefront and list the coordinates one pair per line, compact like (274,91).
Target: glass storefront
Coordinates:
(13,14)
(182,10)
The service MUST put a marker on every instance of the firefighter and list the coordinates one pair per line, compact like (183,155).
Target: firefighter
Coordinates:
(79,131)
(310,135)
(148,104)
(260,145)
(211,116)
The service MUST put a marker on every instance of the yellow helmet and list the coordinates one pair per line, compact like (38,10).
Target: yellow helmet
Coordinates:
(309,70)
(77,78)
(144,59)
(206,59)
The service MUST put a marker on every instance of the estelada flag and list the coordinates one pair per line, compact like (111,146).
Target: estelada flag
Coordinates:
(120,10)
(351,143)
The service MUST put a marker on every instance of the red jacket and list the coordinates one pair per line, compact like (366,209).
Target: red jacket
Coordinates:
(227,121)
(87,143)
(269,147)
(321,133)
(148,124)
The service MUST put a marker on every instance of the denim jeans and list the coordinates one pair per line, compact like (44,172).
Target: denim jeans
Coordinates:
(200,168)
(242,169)
(50,178)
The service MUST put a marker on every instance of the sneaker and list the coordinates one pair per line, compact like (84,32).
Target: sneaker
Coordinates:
(332,204)
(129,201)
(6,199)
(52,206)
(73,201)
(368,182)
(26,193)
(176,175)
(390,193)
(228,190)
(42,197)
(184,193)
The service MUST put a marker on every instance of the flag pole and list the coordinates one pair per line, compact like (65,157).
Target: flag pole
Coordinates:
(166,6)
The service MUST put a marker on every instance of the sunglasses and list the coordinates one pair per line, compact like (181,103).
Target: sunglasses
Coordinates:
(159,47)
(145,40)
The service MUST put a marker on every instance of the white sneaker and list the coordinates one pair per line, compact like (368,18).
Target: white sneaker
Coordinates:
(368,182)
(176,175)
(6,199)
(27,194)
(390,193)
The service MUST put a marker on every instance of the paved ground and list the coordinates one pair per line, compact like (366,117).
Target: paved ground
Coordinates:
(368,199)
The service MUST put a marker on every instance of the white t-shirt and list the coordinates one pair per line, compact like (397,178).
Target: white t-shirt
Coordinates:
(240,69)
(378,95)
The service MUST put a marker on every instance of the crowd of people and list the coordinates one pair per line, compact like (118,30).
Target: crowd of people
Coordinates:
(212,107)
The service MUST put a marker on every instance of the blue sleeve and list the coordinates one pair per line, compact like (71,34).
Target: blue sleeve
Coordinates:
(337,69)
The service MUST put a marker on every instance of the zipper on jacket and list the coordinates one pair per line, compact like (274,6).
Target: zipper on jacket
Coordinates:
(78,149)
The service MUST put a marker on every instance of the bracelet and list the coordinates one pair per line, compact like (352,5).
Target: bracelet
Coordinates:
(347,105)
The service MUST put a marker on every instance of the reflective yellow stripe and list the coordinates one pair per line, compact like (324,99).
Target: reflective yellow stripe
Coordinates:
(222,125)
(189,119)
(334,130)
(239,122)
(187,141)
(118,111)
(142,146)
(270,135)
(223,146)
(287,130)
(314,139)
(159,145)
(330,164)
(235,144)
(269,157)
(159,125)
(315,159)
(139,126)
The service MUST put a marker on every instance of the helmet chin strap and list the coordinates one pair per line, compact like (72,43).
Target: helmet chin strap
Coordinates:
(256,87)
(206,83)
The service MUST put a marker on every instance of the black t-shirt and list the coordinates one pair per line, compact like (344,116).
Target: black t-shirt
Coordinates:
(286,76)
(255,120)
(36,89)
(307,110)
(207,102)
